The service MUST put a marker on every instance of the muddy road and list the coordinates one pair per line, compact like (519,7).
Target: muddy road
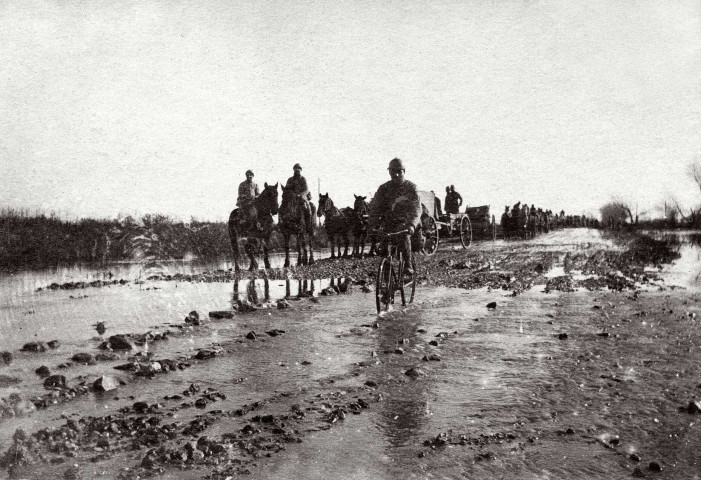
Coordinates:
(588,367)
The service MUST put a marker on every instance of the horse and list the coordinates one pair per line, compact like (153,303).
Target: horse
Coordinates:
(339,223)
(506,224)
(295,219)
(257,225)
(361,210)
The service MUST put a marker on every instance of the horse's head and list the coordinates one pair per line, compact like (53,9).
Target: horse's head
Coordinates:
(267,202)
(325,204)
(360,206)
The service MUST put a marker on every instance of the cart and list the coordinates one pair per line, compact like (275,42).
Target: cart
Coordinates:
(484,225)
(434,221)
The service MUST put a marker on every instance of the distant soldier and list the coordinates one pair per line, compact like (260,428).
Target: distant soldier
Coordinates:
(453,200)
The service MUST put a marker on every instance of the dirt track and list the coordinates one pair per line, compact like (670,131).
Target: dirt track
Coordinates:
(580,382)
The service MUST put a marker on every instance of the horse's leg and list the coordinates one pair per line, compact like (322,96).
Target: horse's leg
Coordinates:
(266,259)
(311,243)
(234,237)
(332,242)
(346,242)
(286,239)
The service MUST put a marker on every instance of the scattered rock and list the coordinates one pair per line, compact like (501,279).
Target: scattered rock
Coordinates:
(5,358)
(638,473)
(274,332)
(283,304)
(211,352)
(655,467)
(492,305)
(346,286)
(105,384)
(117,342)
(193,318)
(245,306)
(431,358)
(221,314)
(251,335)
(55,382)
(84,358)
(53,344)
(106,357)
(415,372)
(36,347)
(101,328)
(562,336)
(694,406)
(43,371)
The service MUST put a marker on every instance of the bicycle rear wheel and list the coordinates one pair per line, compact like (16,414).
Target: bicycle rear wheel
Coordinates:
(384,285)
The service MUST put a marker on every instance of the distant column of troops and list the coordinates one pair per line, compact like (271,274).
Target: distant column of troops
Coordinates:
(522,221)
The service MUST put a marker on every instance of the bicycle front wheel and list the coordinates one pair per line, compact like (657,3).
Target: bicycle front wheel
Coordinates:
(412,279)
(400,278)
(384,285)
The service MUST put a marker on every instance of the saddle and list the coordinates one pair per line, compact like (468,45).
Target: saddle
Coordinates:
(295,210)
(247,219)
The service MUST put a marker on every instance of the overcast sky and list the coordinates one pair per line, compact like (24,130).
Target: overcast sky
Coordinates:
(160,106)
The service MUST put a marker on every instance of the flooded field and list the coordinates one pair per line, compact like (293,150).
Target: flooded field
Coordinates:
(574,383)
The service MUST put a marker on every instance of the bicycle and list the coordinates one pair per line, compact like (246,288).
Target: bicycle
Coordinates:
(390,274)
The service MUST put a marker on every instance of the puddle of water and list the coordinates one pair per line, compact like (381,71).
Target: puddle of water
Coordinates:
(686,270)
(28,281)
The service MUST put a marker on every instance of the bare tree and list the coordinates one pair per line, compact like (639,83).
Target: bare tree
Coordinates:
(615,212)
(624,206)
(694,170)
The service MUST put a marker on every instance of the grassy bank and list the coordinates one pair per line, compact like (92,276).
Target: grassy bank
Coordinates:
(38,240)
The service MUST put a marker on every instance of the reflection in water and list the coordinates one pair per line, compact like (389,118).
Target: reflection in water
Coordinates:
(305,288)
(686,270)
(252,287)
(403,414)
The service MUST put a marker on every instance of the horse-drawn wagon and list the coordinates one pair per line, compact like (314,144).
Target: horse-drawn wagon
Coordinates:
(434,221)
(483,224)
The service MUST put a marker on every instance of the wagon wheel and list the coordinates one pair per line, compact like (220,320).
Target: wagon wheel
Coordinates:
(431,233)
(465,232)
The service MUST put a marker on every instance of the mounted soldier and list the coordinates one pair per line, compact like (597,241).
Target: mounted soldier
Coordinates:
(246,201)
(297,186)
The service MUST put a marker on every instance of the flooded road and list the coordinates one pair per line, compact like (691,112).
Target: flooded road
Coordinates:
(448,387)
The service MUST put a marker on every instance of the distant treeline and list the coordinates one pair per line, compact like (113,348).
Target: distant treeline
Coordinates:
(38,240)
